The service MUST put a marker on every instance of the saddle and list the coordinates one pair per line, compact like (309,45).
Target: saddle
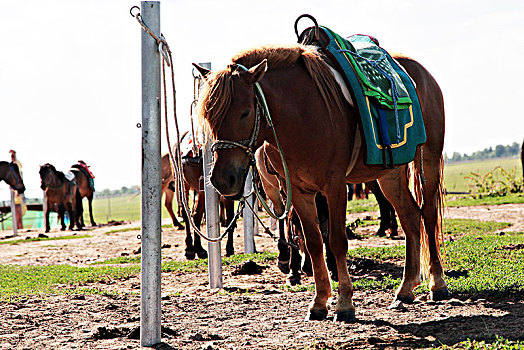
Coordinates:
(85,170)
(390,114)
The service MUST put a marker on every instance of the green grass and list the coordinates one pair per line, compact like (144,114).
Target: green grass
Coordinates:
(497,343)
(466,200)
(472,227)
(454,173)
(37,239)
(18,281)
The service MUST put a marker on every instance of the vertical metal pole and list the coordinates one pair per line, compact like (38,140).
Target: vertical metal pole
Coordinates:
(212,215)
(13,213)
(249,222)
(212,224)
(150,308)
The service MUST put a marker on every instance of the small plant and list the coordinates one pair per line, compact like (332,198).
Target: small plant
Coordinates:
(495,183)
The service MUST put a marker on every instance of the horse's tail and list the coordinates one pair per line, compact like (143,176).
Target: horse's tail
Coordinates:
(418,185)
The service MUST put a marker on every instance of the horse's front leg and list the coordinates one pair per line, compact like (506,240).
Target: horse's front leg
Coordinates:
(230,216)
(304,204)
(47,224)
(337,201)
(395,188)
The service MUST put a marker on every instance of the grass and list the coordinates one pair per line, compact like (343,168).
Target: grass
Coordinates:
(466,200)
(37,239)
(497,343)
(19,281)
(454,173)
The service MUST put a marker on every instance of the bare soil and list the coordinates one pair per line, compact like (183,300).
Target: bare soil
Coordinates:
(250,312)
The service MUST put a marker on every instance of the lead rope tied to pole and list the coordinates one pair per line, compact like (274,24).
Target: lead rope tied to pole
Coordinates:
(176,162)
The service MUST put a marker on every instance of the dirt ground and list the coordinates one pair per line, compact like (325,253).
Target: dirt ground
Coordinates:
(250,312)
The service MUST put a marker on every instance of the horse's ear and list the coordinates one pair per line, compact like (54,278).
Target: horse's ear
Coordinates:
(257,72)
(204,72)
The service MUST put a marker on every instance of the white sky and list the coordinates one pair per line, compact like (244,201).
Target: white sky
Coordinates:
(70,70)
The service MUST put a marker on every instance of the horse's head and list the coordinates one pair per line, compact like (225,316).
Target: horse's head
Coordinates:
(47,177)
(228,105)
(14,179)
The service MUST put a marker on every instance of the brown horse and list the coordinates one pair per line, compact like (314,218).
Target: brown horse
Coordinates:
(10,173)
(310,114)
(82,179)
(194,180)
(61,195)
(168,189)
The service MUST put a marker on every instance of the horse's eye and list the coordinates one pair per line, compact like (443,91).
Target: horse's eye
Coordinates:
(245,114)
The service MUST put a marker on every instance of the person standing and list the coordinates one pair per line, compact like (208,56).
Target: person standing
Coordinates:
(19,198)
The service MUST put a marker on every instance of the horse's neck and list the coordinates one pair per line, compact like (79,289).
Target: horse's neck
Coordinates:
(56,180)
(4,168)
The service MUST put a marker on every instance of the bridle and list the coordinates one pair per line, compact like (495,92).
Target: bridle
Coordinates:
(13,174)
(247,145)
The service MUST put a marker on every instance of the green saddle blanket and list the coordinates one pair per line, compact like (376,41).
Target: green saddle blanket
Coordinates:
(385,95)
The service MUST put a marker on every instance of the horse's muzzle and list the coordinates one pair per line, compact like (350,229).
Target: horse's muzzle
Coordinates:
(230,184)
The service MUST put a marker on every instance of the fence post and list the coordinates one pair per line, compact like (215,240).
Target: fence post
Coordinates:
(212,215)
(249,218)
(150,294)
(13,213)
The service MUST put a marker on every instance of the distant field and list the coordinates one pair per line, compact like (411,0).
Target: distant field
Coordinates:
(454,173)
(127,208)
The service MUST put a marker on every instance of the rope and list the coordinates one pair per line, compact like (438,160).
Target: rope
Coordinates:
(176,162)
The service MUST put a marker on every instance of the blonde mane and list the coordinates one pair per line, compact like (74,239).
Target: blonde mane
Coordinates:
(216,93)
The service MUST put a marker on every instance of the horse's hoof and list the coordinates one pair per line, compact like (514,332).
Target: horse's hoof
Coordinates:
(345,316)
(283,266)
(294,280)
(190,255)
(180,227)
(441,294)
(381,233)
(202,254)
(230,253)
(93,224)
(406,299)
(316,315)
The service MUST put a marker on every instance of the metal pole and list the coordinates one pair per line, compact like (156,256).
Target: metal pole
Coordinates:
(249,219)
(150,307)
(13,213)
(212,216)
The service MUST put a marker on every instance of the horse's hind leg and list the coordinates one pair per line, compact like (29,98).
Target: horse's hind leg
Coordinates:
(168,203)
(388,219)
(323,220)
(304,204)
(430,211)
(61,214)
(337,199)
(283,249)
(395,188)
(190,250)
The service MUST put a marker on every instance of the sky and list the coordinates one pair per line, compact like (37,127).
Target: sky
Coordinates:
(70,85)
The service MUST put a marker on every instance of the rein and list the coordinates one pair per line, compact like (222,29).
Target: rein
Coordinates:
(13,174)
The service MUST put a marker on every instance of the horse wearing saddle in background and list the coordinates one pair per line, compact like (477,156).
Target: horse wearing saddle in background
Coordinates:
(61,195)
(83,182)
(192,168)
(310,113)
(10,173)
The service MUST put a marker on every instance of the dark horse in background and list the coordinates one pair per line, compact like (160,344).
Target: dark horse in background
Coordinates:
(10,173)
(192,167)
(309,114)
(82,178)
(61,195)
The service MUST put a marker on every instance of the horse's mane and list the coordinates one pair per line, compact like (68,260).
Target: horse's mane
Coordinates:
(52,168)
(216,93)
